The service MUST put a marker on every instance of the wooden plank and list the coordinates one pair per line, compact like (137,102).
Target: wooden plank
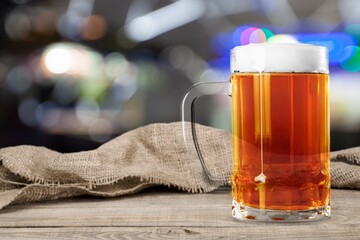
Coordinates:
(152,209)
(275,231)
(151,215)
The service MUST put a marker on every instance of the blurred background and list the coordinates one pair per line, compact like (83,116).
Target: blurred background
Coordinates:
(76,73)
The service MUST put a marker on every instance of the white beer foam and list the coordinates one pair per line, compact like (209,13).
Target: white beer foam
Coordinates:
(279,57)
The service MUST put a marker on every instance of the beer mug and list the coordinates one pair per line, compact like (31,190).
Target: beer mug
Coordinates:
(280,131)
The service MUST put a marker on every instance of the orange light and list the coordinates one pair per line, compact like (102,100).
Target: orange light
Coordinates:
(94,27)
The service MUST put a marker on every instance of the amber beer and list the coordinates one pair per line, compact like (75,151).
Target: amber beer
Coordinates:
(280,125)
(294,156)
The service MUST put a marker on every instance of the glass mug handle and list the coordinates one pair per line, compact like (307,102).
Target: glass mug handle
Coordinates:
(188,116)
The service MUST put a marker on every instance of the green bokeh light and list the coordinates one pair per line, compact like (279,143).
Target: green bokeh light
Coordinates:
(352,64)
(353,30)
(268,33)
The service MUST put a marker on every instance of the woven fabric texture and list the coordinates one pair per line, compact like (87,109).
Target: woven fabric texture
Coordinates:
(152,155)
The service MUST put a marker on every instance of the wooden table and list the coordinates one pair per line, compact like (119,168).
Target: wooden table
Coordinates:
(158,214)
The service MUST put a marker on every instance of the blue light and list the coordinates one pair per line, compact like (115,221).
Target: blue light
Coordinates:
(334,42)
(236,36)
(220,63)
(221,43)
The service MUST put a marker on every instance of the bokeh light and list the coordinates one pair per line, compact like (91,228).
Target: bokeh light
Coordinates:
(246,34)
(257,36)
(186,61)
(46,114)
(17,25)
(210,75)
(25,24)
(222,43)
(268,33)
(282,38)
(334,42)
(345,112)
(17,80)
(59,59)
(87,111)
(115,65)
(89,89)
(43,22)
(27,111)
(73,61)
(352,63)
(354,31)
(100,130)
(180,56)
(94,27)
(65,92)
(236,36)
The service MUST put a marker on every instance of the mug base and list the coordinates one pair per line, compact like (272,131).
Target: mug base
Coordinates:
(243,212)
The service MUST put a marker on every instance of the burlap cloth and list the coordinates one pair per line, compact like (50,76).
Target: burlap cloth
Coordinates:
(147,156)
